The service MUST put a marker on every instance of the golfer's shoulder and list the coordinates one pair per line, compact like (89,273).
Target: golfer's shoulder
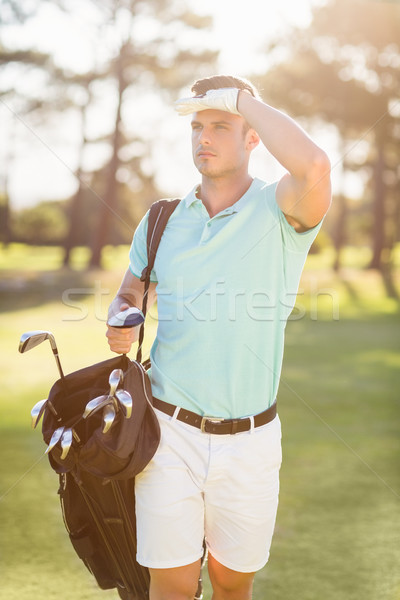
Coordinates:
(265,198)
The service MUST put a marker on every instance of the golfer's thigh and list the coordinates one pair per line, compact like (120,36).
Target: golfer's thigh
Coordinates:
(241,504)
(169,505)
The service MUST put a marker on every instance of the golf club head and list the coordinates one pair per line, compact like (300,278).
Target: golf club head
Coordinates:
(116,376)
(131,317)
(94,405)
(66,443)
(37,412)
(55,438)
(31,339)
(108,416)
(125,399)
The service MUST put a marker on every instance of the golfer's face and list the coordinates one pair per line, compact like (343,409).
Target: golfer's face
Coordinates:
(218,142)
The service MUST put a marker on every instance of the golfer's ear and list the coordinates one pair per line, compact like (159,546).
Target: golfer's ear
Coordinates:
(253,139)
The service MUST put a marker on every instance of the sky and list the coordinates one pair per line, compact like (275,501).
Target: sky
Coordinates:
(244,27)
(44,159)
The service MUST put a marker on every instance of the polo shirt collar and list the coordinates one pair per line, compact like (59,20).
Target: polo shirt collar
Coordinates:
(191,198)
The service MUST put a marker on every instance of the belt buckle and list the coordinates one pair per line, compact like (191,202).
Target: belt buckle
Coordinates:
(211,419)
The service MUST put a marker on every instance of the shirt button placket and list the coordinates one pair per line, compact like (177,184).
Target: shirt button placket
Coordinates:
(206,233)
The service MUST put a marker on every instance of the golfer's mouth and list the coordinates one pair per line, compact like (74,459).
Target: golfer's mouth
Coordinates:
(204,154)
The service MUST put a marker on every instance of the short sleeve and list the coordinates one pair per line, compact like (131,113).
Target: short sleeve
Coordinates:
(138,251)
(292,239)
(295,241)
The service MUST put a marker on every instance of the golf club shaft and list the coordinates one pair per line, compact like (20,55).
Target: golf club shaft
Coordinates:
(55,352)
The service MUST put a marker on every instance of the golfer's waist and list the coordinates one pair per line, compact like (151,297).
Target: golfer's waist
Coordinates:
(216,425)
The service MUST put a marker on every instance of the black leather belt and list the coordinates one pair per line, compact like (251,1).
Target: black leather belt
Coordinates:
(215,424)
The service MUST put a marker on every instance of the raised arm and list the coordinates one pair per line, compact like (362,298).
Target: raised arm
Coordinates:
(129,294)
(304,193)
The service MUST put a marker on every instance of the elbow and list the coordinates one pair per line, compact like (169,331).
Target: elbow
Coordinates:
(321,165)
(320,179)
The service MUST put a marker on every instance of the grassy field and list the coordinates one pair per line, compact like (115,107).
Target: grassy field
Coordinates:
(338,527)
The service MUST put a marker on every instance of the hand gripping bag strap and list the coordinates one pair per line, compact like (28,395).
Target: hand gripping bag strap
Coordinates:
(159,214)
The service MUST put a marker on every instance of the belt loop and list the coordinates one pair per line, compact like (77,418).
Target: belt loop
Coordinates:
(176,413)
(251,423)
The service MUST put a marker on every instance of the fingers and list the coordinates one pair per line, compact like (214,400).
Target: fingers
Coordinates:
(116,308)
(187,106)
(221,99)
(120,340)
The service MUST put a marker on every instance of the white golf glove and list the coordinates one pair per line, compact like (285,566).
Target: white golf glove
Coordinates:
(221,99)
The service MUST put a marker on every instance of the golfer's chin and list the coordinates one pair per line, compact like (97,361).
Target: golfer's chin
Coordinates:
(207,170)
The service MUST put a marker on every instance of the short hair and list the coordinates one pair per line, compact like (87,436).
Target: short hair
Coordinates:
(201,86)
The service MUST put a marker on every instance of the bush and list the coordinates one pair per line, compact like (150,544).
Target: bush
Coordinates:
(45,223)
(321,242)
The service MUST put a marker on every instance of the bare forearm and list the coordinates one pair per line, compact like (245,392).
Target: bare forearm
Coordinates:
(120,302)
(129,294)
(281,135)
(304,193)
(124,299)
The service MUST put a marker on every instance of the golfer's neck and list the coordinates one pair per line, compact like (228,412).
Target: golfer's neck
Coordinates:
(220,193)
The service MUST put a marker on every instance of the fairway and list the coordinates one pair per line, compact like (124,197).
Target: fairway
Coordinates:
(338,528)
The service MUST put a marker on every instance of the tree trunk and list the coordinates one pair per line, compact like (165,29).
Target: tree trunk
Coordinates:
(5,229)
(339,234)
(5,234)
(108,206)
(75,208)
(74,216)
(378,240)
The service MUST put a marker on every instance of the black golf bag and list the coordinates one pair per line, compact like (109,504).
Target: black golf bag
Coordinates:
(97,475)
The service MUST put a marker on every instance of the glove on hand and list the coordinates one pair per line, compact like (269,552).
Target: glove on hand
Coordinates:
(221,99)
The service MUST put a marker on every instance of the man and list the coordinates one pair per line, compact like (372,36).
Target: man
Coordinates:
(226,276)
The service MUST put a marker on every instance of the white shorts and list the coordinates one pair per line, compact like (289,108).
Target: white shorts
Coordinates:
(221,487)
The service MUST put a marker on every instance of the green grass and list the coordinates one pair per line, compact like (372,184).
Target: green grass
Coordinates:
(338,528)
(45,258)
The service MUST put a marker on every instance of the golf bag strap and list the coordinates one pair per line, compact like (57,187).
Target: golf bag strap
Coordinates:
(159,214)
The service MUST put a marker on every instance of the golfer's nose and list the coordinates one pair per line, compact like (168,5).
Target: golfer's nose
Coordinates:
(205,137)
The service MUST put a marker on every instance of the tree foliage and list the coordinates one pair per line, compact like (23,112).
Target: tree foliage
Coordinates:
(345,70)
(148,50)
(43,224)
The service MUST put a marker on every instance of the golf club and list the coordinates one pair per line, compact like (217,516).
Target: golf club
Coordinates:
(116,376)
(131,317)
(30,339)
(108,416)
(37,412)
(55,438)
(125,399)
(66,442)
(96,404)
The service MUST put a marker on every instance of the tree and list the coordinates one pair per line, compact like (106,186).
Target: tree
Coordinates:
(11,99)
(40,225)
(160,64)
(33,107)
(145,49)
(349,76)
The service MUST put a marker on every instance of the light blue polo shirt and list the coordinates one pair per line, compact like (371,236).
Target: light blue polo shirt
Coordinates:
(225,288)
